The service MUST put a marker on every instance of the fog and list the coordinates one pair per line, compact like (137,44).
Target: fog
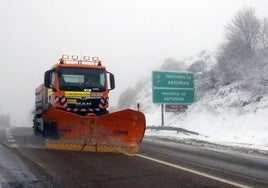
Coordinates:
(131,37)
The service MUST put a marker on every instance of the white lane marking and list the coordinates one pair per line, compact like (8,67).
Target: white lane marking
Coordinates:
(194,172)
(9,136)
(129,154)
(14,146)
(10,140)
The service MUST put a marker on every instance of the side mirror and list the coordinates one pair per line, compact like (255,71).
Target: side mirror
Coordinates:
(112,82)
(48,80)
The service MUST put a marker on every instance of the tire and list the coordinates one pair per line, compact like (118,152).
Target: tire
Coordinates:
(35,128)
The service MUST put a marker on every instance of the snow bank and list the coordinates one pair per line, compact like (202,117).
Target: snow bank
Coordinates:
(218,121)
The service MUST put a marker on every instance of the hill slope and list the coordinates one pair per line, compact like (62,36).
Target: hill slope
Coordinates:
(231,113)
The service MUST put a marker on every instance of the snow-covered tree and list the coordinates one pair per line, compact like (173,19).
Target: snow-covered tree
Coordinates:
(127,98)
(243,32)
(172,65)
(245,45)
(264,36)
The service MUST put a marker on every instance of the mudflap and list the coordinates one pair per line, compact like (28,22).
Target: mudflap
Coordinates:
(120,131)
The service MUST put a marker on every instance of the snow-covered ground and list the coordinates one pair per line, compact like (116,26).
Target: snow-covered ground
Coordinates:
(220,126)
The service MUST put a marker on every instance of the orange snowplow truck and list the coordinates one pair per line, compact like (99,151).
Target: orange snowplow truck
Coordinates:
(72,110)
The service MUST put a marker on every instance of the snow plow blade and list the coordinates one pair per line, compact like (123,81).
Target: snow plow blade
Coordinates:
(120,131)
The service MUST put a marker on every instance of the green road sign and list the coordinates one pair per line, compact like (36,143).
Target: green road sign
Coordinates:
(173,96)
(173,79)
(173,87)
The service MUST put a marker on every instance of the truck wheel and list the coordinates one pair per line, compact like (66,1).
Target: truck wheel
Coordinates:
(37,122)
(35,128)
(45,131)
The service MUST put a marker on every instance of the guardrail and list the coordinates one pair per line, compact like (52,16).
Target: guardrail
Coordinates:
(169,128)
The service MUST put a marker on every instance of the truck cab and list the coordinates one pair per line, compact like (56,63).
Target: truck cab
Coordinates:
(79,86)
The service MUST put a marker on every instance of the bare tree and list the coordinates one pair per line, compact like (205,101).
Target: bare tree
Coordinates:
(264,34)
(238,55)
(243,55)
(243,32)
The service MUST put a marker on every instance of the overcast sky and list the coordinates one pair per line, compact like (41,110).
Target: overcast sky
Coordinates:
(131,37)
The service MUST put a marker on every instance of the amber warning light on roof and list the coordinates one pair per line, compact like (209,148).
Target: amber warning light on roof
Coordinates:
(72,58)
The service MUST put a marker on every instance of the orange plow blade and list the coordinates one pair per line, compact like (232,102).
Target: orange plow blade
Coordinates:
(120,131)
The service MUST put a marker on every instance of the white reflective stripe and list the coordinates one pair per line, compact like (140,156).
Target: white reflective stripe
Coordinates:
(56,99)
(63,100)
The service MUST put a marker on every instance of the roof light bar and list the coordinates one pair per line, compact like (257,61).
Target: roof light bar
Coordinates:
(95,60)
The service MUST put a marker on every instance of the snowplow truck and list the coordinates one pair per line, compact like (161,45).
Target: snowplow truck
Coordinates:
(71,110)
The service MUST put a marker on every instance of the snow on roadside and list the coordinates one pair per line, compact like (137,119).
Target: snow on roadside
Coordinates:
(219,118)
(234,114)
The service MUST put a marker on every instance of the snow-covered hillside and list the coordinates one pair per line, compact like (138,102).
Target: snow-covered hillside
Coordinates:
(231,114)
(216,120)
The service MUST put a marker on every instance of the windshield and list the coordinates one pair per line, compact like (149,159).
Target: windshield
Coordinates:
(81,79)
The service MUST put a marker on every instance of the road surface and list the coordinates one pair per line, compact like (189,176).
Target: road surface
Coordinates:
(160,163)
